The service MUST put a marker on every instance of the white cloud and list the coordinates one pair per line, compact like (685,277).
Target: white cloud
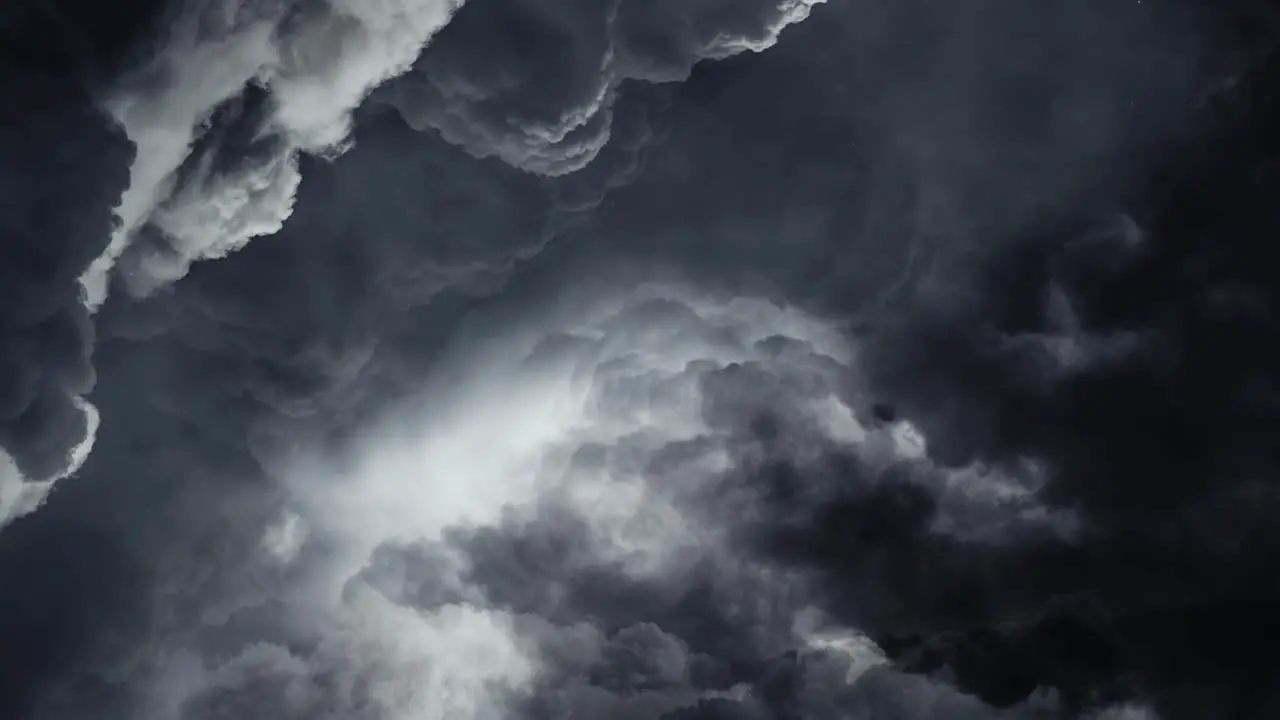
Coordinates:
(488,111)
(18,496)
(498,432)
(318,65)
(214,215)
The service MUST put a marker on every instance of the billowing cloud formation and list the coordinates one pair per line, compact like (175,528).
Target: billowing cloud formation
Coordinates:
(220,107)
(315,62)
(236,92)
(1128,357)
(431,418)
(563,533)
(64,165)
(534,82)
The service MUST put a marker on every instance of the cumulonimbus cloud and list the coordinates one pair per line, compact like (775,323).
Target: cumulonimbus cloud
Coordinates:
(219,112)
(63,165)
(570,504)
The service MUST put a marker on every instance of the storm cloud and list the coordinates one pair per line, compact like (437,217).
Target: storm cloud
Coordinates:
(667,360)
(534,83)
(65,165)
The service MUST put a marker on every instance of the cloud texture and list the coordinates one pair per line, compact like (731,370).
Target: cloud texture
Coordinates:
(541,96)
(666,360)
(65,165)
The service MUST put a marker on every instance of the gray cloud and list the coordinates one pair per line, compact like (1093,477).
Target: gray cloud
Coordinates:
(534,83)
(425,444)
(608,564)
(65,165)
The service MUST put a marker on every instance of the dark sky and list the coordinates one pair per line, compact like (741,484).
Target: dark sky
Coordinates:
(639,359)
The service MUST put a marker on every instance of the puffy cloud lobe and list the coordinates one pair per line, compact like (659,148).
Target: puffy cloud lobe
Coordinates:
(534,83)
(65,165)
(95,41)
(1140,369)
(306,333)
(315,60)
(635,131)
(929,128)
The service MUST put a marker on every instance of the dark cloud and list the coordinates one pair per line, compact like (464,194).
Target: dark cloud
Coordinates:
(1128,355)
(534,83)
(65,166)
(95,41)
(1120,342)
(1112,331)
(422,441)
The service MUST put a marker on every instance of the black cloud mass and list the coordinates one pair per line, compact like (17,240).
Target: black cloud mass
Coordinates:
(65,166)
(664,360)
